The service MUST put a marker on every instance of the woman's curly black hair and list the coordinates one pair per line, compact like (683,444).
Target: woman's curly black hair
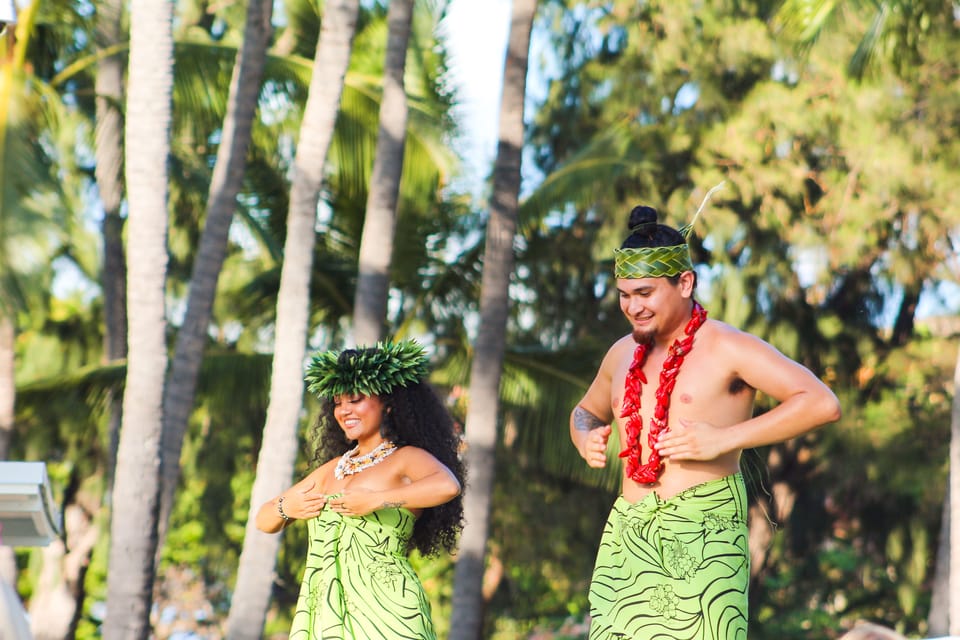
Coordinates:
(413,415)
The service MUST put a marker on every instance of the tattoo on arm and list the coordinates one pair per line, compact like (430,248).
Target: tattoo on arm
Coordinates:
(583,420)
(392,505)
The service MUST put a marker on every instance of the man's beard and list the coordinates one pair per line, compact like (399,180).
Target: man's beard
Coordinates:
(643,337)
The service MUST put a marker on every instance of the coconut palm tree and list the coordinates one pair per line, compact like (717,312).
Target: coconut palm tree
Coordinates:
(278,452)
(376,244)
(224,186)
(488,352)
(137,487)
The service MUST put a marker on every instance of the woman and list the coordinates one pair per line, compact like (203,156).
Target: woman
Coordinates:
(393,484)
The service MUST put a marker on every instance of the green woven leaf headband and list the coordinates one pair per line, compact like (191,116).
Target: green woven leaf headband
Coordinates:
(372,371)
(658,262)
(651,262)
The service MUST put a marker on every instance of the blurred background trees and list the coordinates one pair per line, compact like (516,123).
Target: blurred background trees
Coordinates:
(833,124)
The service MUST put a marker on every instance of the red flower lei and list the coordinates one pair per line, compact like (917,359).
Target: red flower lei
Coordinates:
(649,472)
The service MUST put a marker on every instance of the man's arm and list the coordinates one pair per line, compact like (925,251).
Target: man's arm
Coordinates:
(590,419)
(589,434)
(804,403)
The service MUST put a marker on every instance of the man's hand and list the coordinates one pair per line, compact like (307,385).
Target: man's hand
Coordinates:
(594,448)
(691,440)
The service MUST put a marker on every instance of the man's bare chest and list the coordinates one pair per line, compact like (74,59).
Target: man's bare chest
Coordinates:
(690,390)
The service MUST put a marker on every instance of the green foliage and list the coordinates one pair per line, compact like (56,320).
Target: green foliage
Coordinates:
(872,520)
(544,534)
(436,574)
(834,222)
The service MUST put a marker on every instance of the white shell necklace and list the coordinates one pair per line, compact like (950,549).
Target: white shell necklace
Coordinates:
(349,465)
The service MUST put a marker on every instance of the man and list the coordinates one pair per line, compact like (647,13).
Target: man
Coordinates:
(673,561)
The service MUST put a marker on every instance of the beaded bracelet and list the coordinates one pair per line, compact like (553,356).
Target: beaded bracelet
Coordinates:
(285,517)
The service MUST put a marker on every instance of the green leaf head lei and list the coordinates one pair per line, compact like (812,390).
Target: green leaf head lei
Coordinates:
(372,371)
(657,262)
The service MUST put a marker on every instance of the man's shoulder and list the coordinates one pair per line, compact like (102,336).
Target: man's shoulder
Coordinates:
(723,336)
(719,325)
(626,344)
(625,341)
(622,348)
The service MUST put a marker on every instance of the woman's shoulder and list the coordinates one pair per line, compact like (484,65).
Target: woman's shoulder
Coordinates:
(332,462)
(411,451)
(412,456)
(323,471)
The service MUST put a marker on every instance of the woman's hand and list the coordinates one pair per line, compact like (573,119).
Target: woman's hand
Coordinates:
(356,501)
(304,502)
(425,483)
(300,502)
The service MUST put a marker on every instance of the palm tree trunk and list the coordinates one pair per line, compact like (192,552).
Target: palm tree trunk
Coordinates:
(133,533)
(481,426)
(224,186)
(953,589)
(108,147)
(937,619)
(379,225)
(251,595)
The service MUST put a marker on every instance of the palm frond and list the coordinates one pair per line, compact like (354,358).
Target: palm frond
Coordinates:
(34,206)
(62,416)
(539,391)
(580,180)
(201,86)
(85,386)
(869,45)
(804,20)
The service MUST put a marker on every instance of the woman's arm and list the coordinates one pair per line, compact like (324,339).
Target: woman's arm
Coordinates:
(428,484)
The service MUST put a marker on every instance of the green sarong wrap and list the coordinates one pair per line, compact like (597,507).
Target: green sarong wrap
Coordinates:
(674,569)
(358,583)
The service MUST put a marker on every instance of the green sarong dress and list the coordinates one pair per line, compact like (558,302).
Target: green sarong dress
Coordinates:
(358,583)
(674,569)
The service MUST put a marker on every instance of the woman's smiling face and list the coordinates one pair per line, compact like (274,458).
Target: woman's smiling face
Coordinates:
(358,415)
